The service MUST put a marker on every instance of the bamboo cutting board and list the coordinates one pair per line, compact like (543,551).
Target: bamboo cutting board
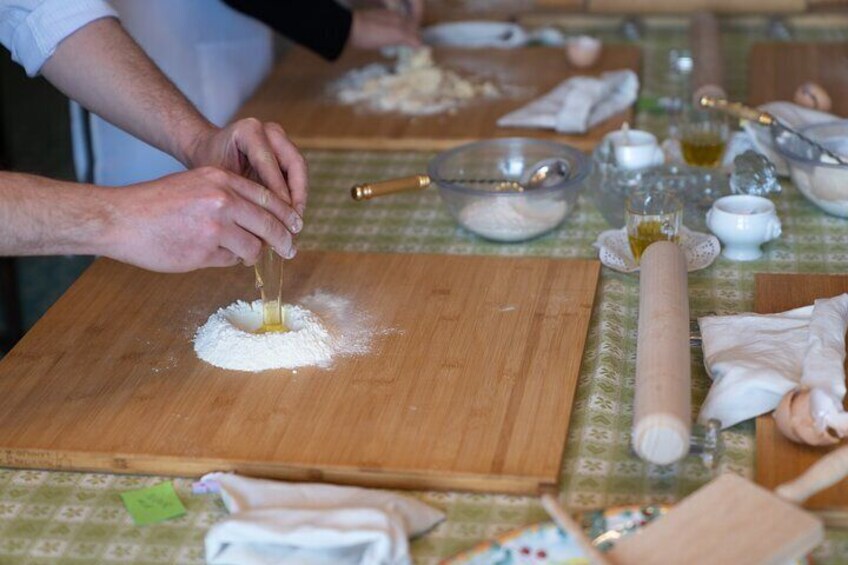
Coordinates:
(473,391)
(778,459)
(776,70)
(296,95)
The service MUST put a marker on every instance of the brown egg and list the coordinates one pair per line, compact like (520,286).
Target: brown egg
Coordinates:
(583,51)
(795,420)
(812,95)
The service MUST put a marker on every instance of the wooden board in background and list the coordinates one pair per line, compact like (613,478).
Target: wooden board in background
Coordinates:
(779,460)
(296,95)
(474,392)
(776,70)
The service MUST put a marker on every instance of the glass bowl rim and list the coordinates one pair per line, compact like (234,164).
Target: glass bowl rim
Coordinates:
(793,157)
(583,168)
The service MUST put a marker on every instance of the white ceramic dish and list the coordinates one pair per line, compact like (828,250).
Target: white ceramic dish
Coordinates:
(743,223)
(476,34)
(700,249)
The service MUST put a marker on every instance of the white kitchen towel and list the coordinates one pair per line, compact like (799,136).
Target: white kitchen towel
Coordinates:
(755,359)
(311,524)
(790,114)
(578,103)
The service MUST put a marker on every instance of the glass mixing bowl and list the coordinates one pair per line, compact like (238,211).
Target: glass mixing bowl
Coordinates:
(495,210)
(820,179)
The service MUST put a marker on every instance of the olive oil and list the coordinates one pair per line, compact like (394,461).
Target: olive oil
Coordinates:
(648,232)
(269,281)
(702,148)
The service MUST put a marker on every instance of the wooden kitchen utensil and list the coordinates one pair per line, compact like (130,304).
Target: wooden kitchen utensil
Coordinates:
(779,460)
(759,528)
(470,387)
(296,94)
(731,520)
(662,405)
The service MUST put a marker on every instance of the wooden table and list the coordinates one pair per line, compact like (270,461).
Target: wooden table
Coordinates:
(296,95)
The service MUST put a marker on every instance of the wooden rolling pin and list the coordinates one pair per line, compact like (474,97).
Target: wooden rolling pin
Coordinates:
(707,64)
(662,419)
(824,473)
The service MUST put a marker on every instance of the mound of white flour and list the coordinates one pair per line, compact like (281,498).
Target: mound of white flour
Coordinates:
(417,86)
(322,328)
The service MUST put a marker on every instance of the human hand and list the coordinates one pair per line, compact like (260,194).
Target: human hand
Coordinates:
(413,9)
(258,151)
(205,217)
(373,29)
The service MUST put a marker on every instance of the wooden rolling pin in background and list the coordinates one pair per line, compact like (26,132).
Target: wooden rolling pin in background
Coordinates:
(707,64)
(662,419)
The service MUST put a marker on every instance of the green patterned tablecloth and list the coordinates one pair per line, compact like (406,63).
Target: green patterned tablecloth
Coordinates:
(78,517)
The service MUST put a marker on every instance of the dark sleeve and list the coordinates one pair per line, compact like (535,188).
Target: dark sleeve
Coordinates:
(322,26)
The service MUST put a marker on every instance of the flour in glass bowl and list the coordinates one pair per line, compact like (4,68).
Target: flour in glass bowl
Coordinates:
(512,218)
(322,328)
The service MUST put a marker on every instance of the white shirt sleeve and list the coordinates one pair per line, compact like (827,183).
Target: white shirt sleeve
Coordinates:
(31,29)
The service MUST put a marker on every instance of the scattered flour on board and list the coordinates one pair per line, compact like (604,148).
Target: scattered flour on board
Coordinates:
(322,328)
(417,86)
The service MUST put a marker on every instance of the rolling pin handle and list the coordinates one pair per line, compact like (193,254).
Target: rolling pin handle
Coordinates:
(369,190)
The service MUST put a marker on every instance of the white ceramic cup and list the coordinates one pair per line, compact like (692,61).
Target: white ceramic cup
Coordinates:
(743,223)
(635,149)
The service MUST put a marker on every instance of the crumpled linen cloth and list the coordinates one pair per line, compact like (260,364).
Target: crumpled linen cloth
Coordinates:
(578,103)
(790,114)
(313,524)
(755,359)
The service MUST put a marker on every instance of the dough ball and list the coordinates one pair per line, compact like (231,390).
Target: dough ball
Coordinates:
(812,95)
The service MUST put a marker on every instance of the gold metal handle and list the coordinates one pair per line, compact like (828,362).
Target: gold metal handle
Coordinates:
(369,190)
(737,110)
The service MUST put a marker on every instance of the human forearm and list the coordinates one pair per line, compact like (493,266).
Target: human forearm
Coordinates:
(205,217)
(39,216)
(104,69)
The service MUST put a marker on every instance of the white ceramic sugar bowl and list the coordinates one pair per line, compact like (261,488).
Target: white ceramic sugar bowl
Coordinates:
(743,223)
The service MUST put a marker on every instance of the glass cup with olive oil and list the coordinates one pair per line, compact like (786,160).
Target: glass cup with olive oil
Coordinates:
(652,215)
(703,136)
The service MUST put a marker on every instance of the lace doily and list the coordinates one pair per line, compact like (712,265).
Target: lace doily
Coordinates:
(700,250)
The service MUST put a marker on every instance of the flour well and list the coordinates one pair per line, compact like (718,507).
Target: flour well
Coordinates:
(322,328)
(416,86)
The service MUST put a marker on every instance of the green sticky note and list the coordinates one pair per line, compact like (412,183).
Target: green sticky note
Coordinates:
(153,504)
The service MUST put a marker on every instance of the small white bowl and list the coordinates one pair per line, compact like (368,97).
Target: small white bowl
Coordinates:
(743,223)
(583,51)
(475,34)
(635,149)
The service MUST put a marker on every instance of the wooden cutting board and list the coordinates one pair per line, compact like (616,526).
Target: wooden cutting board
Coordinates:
(776,70)
(779,460)
(473,391)
(296,95)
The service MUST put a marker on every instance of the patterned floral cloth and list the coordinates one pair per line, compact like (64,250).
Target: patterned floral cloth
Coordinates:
(47,517)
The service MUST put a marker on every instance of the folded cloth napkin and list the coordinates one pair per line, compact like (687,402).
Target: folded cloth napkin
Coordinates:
(578,103)
(312,524)
(790,114)
(755,359)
